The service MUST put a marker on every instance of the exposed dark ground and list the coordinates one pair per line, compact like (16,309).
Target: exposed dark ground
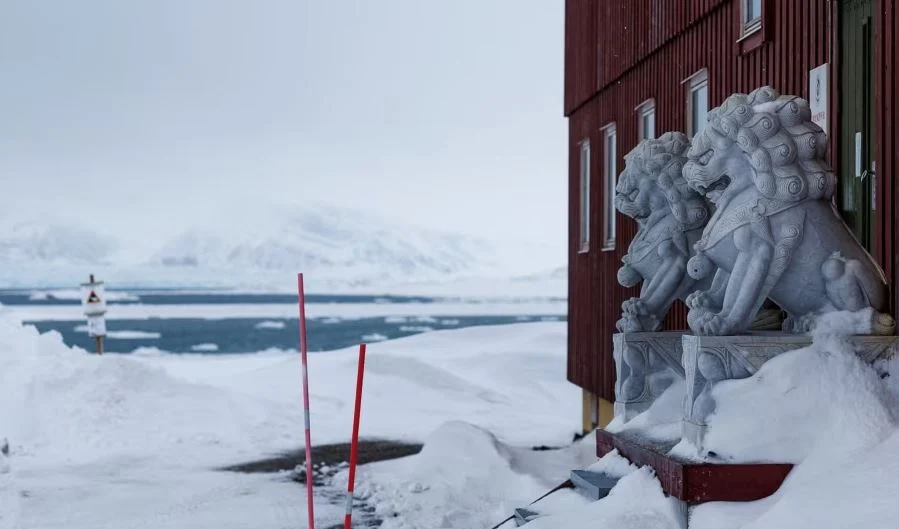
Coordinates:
(328,461)
(331,456)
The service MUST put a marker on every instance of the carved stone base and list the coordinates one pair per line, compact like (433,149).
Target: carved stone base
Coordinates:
(708,360)
(646,364)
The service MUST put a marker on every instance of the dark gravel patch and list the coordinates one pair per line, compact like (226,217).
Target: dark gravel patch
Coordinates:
(328,460)
(330,456)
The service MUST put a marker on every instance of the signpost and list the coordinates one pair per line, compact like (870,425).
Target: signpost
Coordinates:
(93,301)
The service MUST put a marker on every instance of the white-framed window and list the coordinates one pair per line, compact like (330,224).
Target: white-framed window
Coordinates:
(751,15)
(584,191)
(609,177)
(646,120)
(697,102)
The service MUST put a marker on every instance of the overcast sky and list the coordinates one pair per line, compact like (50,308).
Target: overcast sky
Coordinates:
(143,115)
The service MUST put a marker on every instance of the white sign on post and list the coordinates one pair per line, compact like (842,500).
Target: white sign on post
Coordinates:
(93,301)
(817,95)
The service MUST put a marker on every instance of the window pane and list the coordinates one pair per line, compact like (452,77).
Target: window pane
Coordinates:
(753,10)
(611,177)
(585,196)
(699,103)
(649,125)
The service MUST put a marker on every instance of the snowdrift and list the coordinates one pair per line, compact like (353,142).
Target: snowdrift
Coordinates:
(122,440)
(819,407)
(465,477)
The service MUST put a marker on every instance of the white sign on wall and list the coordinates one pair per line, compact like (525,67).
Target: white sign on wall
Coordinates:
(817,95)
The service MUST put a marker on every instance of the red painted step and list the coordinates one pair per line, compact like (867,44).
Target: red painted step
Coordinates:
(697,482)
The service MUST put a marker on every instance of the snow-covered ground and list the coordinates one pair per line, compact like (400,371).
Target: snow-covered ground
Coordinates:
(134,441)
(820,407)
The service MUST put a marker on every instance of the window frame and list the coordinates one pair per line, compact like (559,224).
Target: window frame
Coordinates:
(747,25)
(694,83)
(584,159)
(644,109)
(610,177)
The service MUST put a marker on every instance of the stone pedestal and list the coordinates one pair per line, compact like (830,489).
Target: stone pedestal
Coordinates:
(707,360)
(646,364)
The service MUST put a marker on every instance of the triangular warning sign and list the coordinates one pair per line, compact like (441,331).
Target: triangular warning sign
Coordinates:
(93,297)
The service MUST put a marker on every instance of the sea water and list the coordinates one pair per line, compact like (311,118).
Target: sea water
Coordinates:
(247,334)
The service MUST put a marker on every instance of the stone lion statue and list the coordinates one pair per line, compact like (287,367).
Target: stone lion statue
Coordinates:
(775,232)
(670,216)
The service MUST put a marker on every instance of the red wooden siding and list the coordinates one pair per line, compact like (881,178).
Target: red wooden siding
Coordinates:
(646,49)
(604,39)
(580,52)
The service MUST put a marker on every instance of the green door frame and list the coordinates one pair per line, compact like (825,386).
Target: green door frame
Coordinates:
(856,126)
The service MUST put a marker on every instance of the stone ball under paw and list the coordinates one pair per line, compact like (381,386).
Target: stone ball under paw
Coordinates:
(699,266)
(628,277)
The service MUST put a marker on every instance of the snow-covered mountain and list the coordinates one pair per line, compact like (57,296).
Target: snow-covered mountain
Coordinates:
(53,244)
(336,248)
(331,241)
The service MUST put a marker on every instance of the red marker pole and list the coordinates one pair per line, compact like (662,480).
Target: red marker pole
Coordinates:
(302,302)
(354,447)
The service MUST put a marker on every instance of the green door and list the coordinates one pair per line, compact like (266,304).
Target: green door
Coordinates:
(856,126)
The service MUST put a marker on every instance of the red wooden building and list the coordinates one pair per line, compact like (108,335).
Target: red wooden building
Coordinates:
(637,68)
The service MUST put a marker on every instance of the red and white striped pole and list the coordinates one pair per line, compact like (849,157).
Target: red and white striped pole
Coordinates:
(303,351)
(354,446)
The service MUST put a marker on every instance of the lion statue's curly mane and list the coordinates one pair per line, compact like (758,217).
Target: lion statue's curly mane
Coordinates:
(663,159)
(785,149)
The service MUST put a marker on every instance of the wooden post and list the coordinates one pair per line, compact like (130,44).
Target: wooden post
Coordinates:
(303,354)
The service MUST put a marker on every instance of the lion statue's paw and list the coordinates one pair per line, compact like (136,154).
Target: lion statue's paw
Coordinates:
(706,322)
(635,306)
(701,300)
(629,323)
(716,325)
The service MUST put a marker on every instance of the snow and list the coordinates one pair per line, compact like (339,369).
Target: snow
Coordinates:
(781,413)
(270,325)
(833,415)
(661,422)
(134,441)
(125,334)
(636,502)
(466,478)
(374,337)
(205,347)
(415,328)
(287,311)
(820,407)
